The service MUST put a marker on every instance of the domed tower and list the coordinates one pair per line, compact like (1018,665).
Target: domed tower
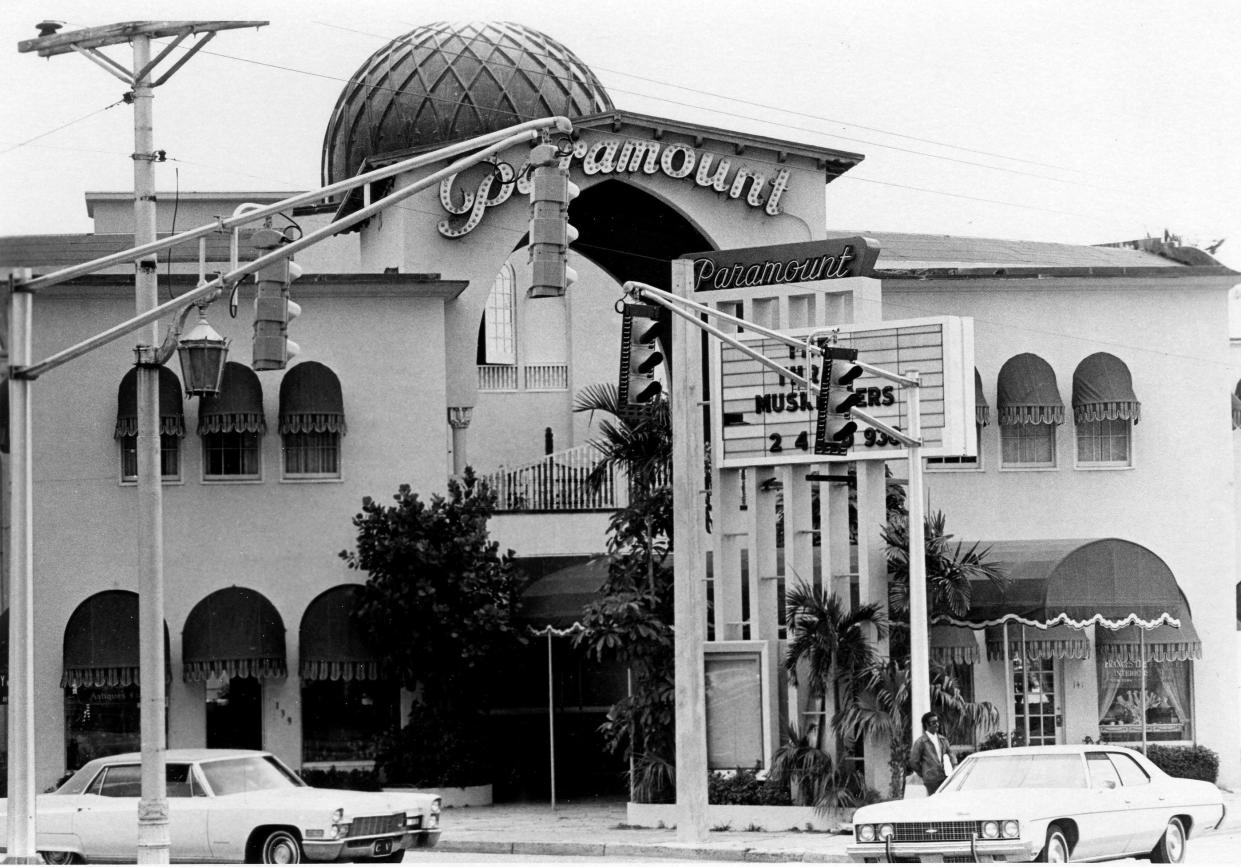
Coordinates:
(444,82)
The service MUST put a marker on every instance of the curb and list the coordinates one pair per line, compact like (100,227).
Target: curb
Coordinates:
(644,850)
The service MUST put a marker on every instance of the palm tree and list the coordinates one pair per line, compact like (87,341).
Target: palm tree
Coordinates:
(949,568)
(832,641)
(637,442)
(880,710)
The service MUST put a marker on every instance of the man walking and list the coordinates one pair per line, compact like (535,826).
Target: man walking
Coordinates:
(928,757)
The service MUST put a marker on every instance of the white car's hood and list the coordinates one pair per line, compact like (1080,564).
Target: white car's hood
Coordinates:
(963,806)
(356,803)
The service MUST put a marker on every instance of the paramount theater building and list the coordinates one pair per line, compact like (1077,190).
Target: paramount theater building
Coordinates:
(1100,464)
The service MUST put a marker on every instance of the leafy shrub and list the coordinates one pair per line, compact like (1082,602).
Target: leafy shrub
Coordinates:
(332,778)
(744,787)
(437,747)
(1193,763)
(998,741)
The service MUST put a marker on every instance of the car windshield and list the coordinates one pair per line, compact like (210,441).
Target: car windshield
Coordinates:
(1063,771)
(248,774)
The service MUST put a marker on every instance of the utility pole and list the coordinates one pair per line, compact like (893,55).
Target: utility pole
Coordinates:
(153,838)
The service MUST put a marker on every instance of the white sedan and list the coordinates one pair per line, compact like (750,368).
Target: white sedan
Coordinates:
(229,806)
(1086,802)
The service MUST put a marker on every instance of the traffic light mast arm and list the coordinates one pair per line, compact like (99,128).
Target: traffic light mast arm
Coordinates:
(676,304)
(282,252)
(522,132)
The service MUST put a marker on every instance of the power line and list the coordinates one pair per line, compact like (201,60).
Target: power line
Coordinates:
(62,126)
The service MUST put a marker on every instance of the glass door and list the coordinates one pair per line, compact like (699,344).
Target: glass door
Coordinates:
(1035,708)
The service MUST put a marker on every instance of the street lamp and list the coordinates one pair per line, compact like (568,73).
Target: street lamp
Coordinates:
(203,352)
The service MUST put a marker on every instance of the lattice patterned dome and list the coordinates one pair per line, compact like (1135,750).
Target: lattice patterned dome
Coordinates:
(445,82)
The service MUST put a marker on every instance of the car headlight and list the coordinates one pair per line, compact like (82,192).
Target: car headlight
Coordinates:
(1012,828)
(990,830)
(886,831)
(866,833)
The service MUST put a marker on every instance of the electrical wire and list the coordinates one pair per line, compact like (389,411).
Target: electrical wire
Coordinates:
(62,126)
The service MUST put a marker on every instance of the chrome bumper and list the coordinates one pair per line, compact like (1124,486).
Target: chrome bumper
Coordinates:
(357,849)
(975,850)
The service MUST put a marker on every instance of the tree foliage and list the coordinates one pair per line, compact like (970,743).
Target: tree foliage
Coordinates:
(439,606)
(631,623)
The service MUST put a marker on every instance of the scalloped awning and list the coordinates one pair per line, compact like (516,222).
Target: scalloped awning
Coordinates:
(237,408)
(1111,582)
(555,601)
(954,645)
(331,644)
(982,412)
(235,632)
(1162,644)
(1054,642)
(101,642)
(1026,392)
(171,414)
(1103,390)
(311,400)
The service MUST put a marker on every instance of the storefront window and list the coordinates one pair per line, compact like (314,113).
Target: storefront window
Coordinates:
(1168,706)
(342,718)
(100,721)
(1034,699)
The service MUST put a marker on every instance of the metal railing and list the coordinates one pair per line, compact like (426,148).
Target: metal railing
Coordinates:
(557,483)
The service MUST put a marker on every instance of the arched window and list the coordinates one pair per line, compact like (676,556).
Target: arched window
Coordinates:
(312,422)
(1030,408)
(497,336)
(171,425)
(1104,411)
(231,425)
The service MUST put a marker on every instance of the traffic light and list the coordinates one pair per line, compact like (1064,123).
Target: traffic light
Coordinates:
(550,231)
(834,431)
(272,308)
(640,356)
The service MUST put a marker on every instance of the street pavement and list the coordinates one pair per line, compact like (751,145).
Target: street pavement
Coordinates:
(598,828)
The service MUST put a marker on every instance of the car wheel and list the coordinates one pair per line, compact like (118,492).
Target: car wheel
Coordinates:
(281,847)
(1171,846)
(60,857)
(1056,849)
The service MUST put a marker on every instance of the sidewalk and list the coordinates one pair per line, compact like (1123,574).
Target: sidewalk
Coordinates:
(598,828)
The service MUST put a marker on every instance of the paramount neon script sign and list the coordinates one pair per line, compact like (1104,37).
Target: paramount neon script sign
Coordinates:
(616,156)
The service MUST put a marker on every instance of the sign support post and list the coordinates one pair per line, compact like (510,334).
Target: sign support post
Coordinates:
(689,569)
(919,640)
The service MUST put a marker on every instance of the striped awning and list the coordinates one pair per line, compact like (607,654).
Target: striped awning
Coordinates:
(1032,642)
(171,414)
(954,645)
(1026,392)
(982,412)
(311,400)
(1164,643)
(1103,390)
(234,632)
(331,644)
(237,408)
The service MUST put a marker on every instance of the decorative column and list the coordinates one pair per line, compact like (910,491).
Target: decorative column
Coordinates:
(459,420)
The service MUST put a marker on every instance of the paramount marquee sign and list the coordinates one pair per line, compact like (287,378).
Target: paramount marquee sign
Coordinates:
(833,259)
(755,185)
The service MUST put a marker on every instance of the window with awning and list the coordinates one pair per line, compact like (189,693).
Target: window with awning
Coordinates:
(1032,642)
(1104,410)
(171,424)
(1029,409)
(347,701)
(100,677)
(234,632)
(231,423)
(953,645)
(312,421)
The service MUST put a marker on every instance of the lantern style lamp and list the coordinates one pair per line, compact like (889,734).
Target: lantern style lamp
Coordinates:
(203,353)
